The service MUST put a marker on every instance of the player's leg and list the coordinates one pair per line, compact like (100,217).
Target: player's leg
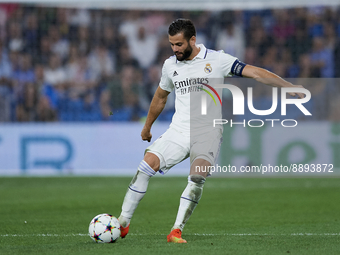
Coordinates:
(189,199)
(137,189)
(203,153)
(160,156)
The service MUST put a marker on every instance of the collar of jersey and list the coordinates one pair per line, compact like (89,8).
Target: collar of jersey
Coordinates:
(202,54)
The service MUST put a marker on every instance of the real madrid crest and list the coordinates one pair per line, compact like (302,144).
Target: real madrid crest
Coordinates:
(208,68)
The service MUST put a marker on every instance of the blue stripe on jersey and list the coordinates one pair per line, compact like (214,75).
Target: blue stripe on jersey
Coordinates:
(206,51)
(237,67)
(210,50)
(145,168)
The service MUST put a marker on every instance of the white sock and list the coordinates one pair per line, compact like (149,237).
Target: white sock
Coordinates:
(189,200)
(135,192)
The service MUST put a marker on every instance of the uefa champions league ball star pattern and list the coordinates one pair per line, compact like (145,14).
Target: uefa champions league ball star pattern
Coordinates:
(104,228)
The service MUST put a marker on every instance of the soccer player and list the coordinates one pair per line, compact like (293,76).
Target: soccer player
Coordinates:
(184,72)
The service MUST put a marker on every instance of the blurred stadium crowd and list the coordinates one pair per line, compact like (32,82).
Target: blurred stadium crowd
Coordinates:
(59,64)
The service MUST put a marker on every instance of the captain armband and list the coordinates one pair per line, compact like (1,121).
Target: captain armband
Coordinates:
(237,68)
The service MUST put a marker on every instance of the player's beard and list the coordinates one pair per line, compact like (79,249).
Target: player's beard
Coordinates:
(186,53)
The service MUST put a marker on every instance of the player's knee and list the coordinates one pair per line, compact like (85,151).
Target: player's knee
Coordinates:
(196,178)
(145,168)
(152,160)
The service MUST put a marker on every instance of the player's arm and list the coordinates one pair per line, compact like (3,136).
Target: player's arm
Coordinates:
(156,107)
(269,78)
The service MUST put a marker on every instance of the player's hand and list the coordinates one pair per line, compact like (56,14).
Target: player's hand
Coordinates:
(300,95)
(146,134)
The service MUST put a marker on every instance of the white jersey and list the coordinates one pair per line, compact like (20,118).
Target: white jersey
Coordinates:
(191,78)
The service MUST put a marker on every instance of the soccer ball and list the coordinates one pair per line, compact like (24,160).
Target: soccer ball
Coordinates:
(104,228)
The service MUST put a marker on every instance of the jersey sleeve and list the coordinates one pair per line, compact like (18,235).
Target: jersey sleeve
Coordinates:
(231,65)
(165,82)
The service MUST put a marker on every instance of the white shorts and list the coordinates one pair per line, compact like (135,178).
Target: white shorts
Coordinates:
(173,147)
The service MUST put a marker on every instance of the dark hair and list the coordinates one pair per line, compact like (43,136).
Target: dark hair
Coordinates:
(182,25)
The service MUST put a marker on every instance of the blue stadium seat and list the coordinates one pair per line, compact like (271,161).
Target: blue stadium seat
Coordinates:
(122,114)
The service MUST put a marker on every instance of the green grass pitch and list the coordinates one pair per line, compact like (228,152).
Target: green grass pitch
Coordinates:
(235,216)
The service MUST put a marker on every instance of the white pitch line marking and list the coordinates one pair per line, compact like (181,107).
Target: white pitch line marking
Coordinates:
(266,234)
(194,234)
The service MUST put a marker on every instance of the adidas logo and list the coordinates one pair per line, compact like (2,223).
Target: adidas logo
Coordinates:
(211,153)
(175,74)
